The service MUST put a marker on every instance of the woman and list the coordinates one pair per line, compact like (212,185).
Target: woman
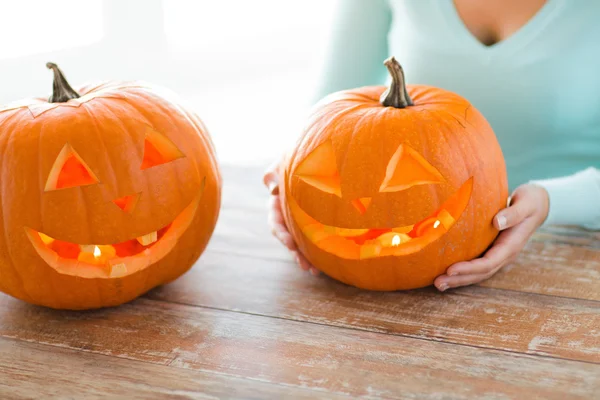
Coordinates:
(532,67)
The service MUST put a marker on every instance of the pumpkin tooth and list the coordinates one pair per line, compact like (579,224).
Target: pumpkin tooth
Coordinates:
(370,249)
(87,248)
(315,232)
(148,239)
(117,270)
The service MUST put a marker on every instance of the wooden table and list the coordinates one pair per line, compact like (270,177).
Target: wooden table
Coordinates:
(246,322)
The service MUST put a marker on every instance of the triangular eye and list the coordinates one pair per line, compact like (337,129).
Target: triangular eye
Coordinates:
(319,169)
(158,150)
(69,170)
(408,168)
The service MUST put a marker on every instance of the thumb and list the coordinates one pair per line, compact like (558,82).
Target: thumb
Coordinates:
(515,213)
(271,178)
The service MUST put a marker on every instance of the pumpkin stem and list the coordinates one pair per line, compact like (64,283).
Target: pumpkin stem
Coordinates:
(61,90)
(396,95)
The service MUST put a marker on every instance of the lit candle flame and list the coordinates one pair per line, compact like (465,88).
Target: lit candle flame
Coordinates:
(97,252)
(396,240)
(436,224)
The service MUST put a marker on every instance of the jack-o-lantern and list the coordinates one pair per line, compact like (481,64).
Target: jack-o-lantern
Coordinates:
(387,188)
(105,192)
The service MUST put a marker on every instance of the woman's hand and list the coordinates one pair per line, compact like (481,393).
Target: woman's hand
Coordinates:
(276,222)
(528,209)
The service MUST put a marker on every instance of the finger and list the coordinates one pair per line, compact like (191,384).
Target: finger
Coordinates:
(444,282)
(277,224)
(301,261)
(284,237)
(305,264)
(275,216)
(271,178)
(479,266)
(505,249)
(281,233)
(274,206)
(484,265)
(520,208)
(279,230)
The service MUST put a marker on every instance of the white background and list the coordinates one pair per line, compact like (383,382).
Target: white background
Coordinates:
(248,68)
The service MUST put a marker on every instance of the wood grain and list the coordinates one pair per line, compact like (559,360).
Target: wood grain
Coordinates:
(34,371)
(520,322)
(300,355)
(553,268)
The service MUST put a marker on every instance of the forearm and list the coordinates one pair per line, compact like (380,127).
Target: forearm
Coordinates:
(357,47)
(574,199)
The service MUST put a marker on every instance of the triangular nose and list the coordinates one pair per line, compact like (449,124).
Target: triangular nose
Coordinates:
(361,204)
(127,203)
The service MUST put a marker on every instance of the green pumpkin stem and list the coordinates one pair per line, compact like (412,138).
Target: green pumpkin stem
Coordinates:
(396,95)
(61,90)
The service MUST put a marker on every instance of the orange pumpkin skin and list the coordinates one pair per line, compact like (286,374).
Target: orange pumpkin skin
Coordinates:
(107,127)
(447,131)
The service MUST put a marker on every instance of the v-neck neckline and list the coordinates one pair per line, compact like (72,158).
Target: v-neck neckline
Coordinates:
(522,36)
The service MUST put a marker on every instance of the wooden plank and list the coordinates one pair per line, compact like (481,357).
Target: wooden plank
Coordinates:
(570,235)
(559,261)
(551,267)
(300,355)
(34,371)
(520,322)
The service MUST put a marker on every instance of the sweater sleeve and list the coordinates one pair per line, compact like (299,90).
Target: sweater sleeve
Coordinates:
(574,199)
(358,46)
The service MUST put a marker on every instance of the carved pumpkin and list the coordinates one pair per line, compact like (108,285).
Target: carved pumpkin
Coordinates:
(106,192)
(385,190)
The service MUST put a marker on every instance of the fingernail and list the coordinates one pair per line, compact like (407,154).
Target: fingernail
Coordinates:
(279,237)
(443,287)
(314,271)
(501,220)
(273,187)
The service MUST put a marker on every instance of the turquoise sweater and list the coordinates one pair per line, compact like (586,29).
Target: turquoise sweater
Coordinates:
(539,88)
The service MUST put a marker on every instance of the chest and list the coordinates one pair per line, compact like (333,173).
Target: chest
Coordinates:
(492,21)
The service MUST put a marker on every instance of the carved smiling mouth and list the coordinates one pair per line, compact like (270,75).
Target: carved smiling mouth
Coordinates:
(112,260)
(374,242)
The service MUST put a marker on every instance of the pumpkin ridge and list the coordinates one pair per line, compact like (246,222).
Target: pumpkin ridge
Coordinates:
(168,116)
(107,159)
(339,114)
(7,141)
(132,140)
(207,141)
